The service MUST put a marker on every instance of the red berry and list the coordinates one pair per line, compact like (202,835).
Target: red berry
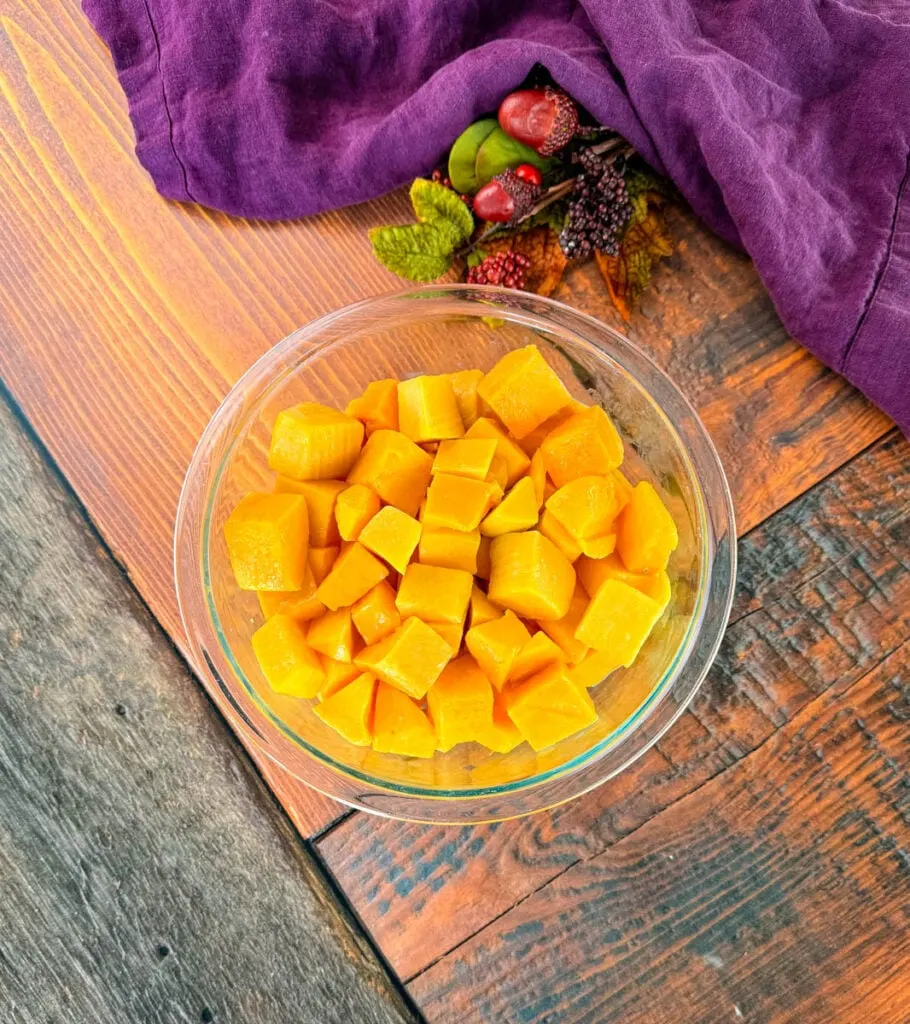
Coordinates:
(493,203)
(544,119)
(530,174)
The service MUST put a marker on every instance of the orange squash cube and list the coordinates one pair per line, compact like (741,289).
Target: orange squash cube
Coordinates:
(377,407)
(481,609)
(586,506)
(549,707)
(587,444)
(531,443)
(457,502)
(320,498)
(321,561)
(288,663)
(333,635)
(449,549)
(399,725)
(500,736)
(337,674)
(451,632)
(395,468)
(516,461)
(647,534)
(531,576)
(355,572)
(594,668)
(523,390)
(562,631)
(349,711)
(393,535)
(499,472)
(464,385)
(483,558)
(623,488)
(355,506)
(618,619)
(553,530)
(468,456)
(313,442)
(657,587)
(537,472)
(592,572)
(375,616)
(434,594)
(267,537)
(299,604)
(496,644)
(517,511)
(536,654)
(427,410)
(411,658)
(460,703)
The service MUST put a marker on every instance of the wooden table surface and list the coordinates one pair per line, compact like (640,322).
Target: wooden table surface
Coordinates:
(755,864)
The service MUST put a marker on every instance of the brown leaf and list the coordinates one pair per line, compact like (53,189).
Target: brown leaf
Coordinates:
(541,246)
(627,274)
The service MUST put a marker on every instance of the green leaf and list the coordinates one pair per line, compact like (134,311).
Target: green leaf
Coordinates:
(418,252)
(475,258)
(463,155)
(500,151)
(440,208)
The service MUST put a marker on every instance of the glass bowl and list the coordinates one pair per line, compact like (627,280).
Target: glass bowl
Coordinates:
(436,330)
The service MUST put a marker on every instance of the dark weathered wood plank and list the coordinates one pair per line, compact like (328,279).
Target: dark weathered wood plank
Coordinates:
(145,873)
(823,595)
(775,893)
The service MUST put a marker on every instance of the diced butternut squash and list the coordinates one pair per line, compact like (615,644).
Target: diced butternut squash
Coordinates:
(332,634)
(562,631)
(349,711)
(427,410)
(592,572)
(587,444)
(549,707)
(393,535)
(537,472)
(516,461)
(523,390)
(396,469)
(375,616)
(657,587)
(288,663)
(313,442)
(464,385)
(337,674)
(468,456)
(586,507)
(553,530)
(451,632)
(321,561)
(355,572)
(618,619)
(400,726)
(434,594)
(594,668)
(599,547)
(496,644)
(377,407)
(536,654)
(623,488)
(411,658)
(481,609)
(483,558)
(531,443)
(449,549)
(299,604)
(499,472)
(267,539)
(320,498)
(457,502)
(531,576)
(518,510)
(355,506)
(501,736)
(647,534)
(460,703)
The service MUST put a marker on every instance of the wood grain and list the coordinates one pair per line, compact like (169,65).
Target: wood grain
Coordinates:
(146,874)
(124,318)
(823,595)
(776,893)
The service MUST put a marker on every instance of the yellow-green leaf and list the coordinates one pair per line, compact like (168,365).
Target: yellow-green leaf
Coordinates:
(419,252)
(440,208)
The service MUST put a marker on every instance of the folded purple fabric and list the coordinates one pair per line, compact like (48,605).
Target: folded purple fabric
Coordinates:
(785,123)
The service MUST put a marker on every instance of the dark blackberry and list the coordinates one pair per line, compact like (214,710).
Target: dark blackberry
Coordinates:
(599,209)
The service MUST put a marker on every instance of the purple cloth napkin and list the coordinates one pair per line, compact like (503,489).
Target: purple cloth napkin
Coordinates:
(785,123)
